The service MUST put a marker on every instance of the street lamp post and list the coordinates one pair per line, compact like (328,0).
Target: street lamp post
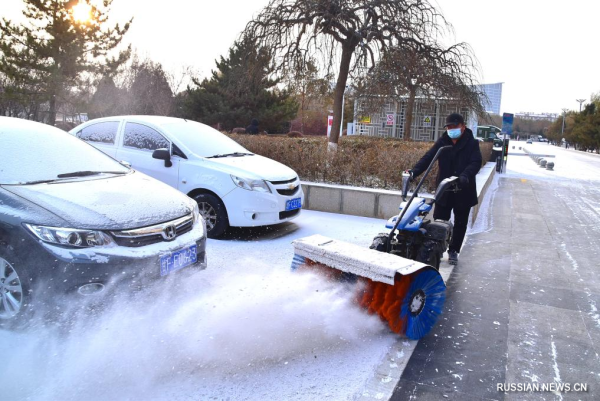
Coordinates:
(580,103)
(562,131)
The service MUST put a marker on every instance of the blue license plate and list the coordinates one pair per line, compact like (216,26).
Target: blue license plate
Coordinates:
(293,204)
(178,260)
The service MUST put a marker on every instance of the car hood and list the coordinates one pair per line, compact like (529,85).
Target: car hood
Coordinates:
(256,167)
(116,203)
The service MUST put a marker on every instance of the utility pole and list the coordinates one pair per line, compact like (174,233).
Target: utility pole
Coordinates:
(580,103)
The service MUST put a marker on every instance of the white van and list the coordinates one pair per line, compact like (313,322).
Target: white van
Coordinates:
(233,187)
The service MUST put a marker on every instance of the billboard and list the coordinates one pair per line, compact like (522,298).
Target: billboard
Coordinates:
(507,123)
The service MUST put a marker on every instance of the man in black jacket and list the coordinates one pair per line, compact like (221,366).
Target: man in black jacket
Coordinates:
(463,161)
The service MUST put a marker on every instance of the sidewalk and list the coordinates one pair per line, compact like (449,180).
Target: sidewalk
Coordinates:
(522,304)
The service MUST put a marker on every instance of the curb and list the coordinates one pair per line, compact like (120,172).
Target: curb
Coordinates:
(374,203)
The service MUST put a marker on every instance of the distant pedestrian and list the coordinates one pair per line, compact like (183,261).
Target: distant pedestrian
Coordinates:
(462,161)
(253,127)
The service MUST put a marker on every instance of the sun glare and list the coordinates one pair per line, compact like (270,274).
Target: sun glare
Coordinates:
(82,12)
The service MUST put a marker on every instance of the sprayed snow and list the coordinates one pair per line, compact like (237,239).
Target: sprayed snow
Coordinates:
(204,332)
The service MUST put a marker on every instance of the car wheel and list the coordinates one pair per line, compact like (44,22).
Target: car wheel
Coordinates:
(214,213)
(14,291)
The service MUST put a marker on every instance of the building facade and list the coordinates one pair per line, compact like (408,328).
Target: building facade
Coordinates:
(494,97)
(429,117)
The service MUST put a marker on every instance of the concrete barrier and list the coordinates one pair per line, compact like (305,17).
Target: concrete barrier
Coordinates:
(368,202)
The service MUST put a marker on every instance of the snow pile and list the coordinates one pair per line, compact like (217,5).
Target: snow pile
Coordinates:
(228,326)
(484,221)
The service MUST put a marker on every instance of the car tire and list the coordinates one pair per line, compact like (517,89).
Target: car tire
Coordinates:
(15,291)
(214,213)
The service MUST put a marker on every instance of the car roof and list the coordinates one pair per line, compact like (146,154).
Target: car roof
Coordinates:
(160,121)
(20,125)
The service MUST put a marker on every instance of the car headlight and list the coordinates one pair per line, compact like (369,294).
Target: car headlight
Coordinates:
(70,237)
(251,185)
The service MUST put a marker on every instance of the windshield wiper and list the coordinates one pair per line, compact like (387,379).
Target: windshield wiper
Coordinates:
(36,182)
(234,154)
(88,173)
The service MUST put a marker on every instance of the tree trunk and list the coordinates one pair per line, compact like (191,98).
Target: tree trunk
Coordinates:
(338,96)
(410,105)
(302,113)
(52,111)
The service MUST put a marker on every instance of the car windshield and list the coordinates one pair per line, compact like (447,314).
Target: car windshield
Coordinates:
(203,140)
(34,153)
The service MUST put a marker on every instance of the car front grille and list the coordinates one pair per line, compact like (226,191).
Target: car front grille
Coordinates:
(288,192)
(155,233)
(284,182)
(288,214)
(287,187)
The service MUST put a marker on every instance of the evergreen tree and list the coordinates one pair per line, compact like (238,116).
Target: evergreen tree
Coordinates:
(51,53)
(240,89)
(105,101)
(150,93)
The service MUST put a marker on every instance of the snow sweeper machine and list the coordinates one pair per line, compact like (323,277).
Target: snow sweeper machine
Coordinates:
(398,277)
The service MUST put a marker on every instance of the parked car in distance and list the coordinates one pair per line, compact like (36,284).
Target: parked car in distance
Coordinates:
(74,220)
(530,141)
(232,186)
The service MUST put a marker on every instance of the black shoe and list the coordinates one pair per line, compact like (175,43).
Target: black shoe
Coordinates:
(453,257)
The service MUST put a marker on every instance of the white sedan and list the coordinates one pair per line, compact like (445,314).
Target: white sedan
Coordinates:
(233,187)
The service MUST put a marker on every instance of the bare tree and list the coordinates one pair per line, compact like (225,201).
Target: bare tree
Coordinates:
(348,34)
(309,90)
(406,71)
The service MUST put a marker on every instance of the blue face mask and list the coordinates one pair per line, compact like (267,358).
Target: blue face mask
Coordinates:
(454,133)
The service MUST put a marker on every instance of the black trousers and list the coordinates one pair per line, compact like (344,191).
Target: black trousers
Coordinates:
(461,219)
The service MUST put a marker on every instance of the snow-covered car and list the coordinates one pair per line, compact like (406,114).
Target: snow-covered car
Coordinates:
(74,220)
(232,186)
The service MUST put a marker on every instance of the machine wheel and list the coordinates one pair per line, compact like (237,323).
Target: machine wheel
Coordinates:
(214,213)
(423,303)
(380,242)
(428,254)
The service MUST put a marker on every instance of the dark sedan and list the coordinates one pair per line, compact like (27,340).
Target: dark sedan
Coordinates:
(74,219)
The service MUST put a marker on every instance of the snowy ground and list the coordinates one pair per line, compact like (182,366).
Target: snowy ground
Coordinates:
(569,164)
(245,328)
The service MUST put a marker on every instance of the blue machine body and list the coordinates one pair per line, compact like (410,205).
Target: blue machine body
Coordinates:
(411,221)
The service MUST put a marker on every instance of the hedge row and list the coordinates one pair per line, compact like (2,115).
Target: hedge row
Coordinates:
(361,161)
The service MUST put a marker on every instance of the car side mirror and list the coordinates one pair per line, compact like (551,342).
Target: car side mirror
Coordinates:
(163,154)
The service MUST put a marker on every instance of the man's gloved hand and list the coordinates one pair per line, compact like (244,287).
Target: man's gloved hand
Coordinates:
(463,181)
(410,172)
